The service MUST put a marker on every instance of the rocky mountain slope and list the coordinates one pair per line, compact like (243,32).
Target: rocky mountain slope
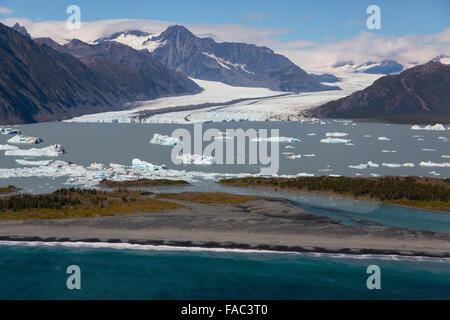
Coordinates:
(419,94)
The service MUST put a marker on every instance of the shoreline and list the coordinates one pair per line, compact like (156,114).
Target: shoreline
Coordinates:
(271,224)
(191,246)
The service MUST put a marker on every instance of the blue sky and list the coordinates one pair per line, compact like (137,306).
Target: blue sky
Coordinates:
(314,20)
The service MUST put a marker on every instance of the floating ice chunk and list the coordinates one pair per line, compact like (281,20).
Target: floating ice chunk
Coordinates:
(367,136)
(384,139)
(431,150)
(34,163)
(334,175)
(303,174)
(367,165)
(350,144)
(22,139)
(8,147)
(311,134)
(388,151)
(337,134)
(196,159)
(310,155)
(420,139)
(446,156)
(397,165)
(164,140)
(434,173)
(10,131)
(442,138)
(374,174)
(51,151)
(289,147)
(434,164)
(277,139)
(335,140)
(436,127)
(292,156)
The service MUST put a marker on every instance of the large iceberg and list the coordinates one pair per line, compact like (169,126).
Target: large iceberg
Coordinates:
(436,127)
(34,163)
(51,151)
(22,139)
(164,140)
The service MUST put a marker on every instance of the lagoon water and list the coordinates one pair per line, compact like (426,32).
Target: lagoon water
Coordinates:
(38,272)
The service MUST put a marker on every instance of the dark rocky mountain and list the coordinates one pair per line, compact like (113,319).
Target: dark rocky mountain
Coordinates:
(371,67)
(39,83)
(136,72)
(21,29)
(419,94)
(236,64)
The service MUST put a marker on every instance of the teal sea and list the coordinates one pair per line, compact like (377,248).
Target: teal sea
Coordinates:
(121,272)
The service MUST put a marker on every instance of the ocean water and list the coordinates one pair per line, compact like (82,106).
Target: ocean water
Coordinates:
(39,272)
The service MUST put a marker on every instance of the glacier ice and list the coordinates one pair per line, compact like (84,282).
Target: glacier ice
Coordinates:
(277,139)
(164,140)
(335,140)
(434,164)
(8,147)
(436,127)
(50,151)
(22,139)
(367,165)
(337,134)
(196,159)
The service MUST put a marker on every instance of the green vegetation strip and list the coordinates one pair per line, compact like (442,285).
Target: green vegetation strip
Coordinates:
(8,189)
(80,203)
(428,193)
(141,183)
(208,197)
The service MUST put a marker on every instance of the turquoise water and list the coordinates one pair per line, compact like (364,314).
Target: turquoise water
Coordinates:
(39,272)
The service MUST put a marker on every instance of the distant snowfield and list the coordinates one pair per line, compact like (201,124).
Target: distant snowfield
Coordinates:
(262,104)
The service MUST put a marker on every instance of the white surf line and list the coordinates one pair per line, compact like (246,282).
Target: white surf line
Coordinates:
(162,248)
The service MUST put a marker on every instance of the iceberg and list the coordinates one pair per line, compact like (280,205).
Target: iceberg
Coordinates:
(430,150)
(336,140)
(384,139)
(367,165)
(34,163)
(292,156)
(196,159)
(8,147)
(51,151)
(446,156)
(397,165)
(10,131)
(388,151)
(164,140)
(337,134)
(22,139)
(434,164)
(436,127)
(277,139)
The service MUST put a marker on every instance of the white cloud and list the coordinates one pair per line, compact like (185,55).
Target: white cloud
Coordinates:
(5,11)
(312,56)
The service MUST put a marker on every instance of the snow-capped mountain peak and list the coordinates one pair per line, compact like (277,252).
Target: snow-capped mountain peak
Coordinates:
(442,59)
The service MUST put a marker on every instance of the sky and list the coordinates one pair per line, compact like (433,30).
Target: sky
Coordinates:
(297,28)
